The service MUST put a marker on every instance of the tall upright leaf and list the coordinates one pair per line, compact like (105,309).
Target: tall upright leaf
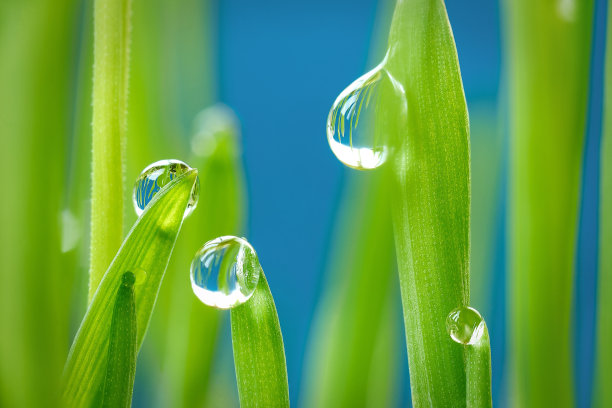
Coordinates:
(548,52)
(110,94)
(431,195)
(36,73)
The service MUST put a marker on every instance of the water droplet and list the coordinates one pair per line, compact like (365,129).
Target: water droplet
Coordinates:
(140,275)
(465,325)
(225,272)
(211,126)
(351,130)
(157,175)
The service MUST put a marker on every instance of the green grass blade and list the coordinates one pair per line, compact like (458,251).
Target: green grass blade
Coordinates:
(259,354)
(478,372)
(431,196)
(36,72)
(548,56)
(145,251)
(110,94)
(354,315)
(121,361)
(602,396)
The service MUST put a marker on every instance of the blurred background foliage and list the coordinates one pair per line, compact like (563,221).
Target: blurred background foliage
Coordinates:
(241,91)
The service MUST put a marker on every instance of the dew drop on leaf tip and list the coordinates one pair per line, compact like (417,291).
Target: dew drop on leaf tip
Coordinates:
(225,272)
(352,132)
(465,325)
(154,177)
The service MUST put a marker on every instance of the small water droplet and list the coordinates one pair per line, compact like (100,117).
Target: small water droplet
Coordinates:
(465,325)
(351,130)
(211,126)
(225,272)
(140,275)
(157,175)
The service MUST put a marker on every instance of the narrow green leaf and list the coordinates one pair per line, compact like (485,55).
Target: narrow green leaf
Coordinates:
(36,72)
(431,195)
(355,313)
(110,95)
(478,372)
(602,396)
(548,56)
(146,251)
(121,361)
(259,354)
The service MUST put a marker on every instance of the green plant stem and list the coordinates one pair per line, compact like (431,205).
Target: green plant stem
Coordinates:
(122,351)
(259,354)
(478,372)
(602,396)
(110,96)
(430,197)
(548,54)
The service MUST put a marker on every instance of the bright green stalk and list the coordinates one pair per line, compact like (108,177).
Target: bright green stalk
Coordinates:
(603,362)
(478,372)
(259,354)
(122,350)
(110,95)
(548,53)
(36,67)
(431,195)
(354,315)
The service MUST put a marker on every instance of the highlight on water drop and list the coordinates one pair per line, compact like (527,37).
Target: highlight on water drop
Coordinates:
(157,175)
(352,132)
(212,126)
(225,272)
(465,325)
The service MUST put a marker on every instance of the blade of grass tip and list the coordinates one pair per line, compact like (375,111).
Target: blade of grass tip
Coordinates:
(548,55)
(431,195)
(602,393)
(478,372)
(354,307)
(110,96)
(189,331)
(36,71)
(259,354)
(146,252)
(121,361)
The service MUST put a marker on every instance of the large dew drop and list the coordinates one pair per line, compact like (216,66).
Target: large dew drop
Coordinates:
(225,272)
(157,175)
(352,132)
(465,325)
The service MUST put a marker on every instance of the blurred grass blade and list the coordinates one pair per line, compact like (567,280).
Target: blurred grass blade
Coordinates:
(548,54)
(110,94)
(602,396)
(478,372)
(354,317)
(36,72)
(145,251)
(188,330)
(431,195)
(121,361)
(259,354)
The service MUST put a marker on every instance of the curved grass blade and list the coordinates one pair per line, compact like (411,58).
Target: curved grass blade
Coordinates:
(146,251)
(548,58)
(602,392)
(431,195)
(110,94)
(259,354)
(478,372)
(121,362)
